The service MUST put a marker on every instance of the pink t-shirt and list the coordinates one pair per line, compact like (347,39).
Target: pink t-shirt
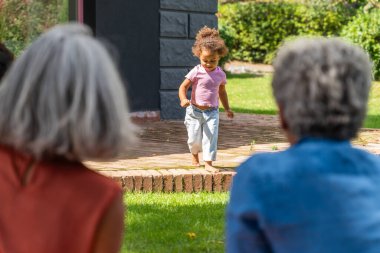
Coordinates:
(205,85)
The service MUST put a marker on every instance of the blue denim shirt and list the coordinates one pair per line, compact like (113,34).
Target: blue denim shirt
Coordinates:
(318,196)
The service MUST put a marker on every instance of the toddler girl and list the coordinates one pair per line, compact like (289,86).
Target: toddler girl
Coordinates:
(208,86)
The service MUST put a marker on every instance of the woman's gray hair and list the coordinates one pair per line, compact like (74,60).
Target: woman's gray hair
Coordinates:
(64,97)
(322,86)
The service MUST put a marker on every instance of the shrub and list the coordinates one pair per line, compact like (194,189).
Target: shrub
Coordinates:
(254,30)
(228,39)
(323,19)
(364,31)
(22,21)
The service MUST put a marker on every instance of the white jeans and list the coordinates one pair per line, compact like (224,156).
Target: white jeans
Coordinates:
(202,130)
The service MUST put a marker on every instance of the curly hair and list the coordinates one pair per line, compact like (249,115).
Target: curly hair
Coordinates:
(209,38)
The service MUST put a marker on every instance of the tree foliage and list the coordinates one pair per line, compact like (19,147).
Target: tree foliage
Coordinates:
(253,31)
(364,31)
(23,20)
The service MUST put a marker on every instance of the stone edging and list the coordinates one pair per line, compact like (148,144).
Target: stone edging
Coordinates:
(172,180)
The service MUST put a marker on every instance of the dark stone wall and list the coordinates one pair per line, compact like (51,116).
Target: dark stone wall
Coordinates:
(153,39)
(179,22)
(89,13)
(133,27)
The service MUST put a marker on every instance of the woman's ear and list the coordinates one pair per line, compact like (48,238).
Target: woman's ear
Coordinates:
(283,123)
(292,139)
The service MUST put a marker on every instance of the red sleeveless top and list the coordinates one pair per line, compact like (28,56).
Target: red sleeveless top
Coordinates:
(57,211)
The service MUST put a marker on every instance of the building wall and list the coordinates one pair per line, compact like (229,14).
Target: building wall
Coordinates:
(153,39)
(179,22)
(132,27)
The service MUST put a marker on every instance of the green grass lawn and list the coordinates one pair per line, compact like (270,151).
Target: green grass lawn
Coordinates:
(252,94)
(176,222)
(373,113)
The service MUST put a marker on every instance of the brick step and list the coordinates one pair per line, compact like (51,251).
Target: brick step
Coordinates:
(172,180)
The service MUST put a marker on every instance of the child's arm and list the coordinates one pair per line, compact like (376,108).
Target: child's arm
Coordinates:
(224,99)
(182,92)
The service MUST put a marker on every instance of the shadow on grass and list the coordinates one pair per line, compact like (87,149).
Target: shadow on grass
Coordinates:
(253,111)
(243,76)
(185,228)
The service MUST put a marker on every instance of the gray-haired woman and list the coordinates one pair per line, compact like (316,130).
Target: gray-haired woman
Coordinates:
(321,194)
(61,102)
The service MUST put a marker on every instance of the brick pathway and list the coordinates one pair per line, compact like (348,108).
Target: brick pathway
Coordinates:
(161,161)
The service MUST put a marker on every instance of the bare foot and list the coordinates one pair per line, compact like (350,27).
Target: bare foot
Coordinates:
(195,160)
(210,168)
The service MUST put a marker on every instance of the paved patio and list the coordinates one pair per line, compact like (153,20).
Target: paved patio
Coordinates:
(161,160)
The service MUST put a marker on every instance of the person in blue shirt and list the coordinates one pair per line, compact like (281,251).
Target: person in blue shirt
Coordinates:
(321,195)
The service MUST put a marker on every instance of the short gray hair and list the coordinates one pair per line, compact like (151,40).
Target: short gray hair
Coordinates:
(64,97)
(322,86)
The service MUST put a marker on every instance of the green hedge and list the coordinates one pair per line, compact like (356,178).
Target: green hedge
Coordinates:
(364,30)
(254,30)
(22,21)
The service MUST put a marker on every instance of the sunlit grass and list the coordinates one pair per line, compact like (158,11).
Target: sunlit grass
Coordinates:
(373,114)
(253,94)
(177,222)
(250,94)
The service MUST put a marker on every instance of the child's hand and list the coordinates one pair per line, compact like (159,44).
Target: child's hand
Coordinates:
(230,114)
(185,103)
